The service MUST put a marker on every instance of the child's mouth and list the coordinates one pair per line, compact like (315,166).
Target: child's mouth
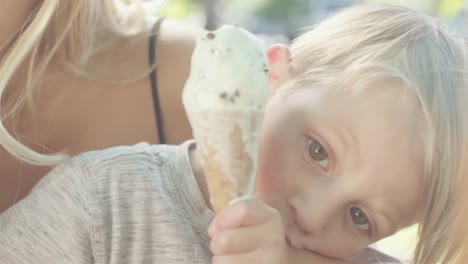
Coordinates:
(290,242)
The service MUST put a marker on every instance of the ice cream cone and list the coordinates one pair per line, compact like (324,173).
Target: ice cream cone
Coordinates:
(228,144)
(224,98)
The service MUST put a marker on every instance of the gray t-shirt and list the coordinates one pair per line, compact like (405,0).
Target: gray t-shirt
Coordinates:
(138,204)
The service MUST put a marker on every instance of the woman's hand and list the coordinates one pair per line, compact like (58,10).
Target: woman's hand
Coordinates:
(248,232)
(251,232)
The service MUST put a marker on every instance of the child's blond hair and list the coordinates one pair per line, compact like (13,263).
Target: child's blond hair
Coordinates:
(65,33)
(367,44)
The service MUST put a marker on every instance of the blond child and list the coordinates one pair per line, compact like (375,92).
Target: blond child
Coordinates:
(364,134)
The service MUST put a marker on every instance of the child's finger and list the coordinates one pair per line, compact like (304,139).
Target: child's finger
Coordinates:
(236,241)
(247,212)
(230,259)
(254,257)
(245,258)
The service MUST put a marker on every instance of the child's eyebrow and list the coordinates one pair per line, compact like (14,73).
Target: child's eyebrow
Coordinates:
(341,134)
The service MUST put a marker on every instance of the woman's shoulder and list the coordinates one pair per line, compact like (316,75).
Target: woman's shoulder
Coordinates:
(176,41)
(180,33)
(175,44)
(124,158)
(115,164)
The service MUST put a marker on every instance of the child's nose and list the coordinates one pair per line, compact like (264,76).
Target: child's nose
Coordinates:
(313,218)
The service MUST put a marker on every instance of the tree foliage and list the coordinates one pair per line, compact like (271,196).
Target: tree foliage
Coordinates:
(280,10)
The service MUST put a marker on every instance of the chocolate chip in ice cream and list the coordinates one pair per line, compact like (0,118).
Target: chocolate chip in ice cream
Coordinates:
(210,35)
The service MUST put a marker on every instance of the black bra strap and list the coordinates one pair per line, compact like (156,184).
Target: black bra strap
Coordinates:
(154,79)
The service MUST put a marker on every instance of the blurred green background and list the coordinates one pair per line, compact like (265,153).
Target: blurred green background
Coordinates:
(286,18)
(282,20)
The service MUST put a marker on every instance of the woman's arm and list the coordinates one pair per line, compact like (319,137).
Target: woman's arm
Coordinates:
(51,225)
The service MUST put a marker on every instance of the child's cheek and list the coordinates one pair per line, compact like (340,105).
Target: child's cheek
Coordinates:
(271,177)
(276,148)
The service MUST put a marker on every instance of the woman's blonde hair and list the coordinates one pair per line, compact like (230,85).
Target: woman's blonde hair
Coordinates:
(65,33)
(365,44)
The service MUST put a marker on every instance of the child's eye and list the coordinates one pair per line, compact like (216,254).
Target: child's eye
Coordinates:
(317,152)
(360,219)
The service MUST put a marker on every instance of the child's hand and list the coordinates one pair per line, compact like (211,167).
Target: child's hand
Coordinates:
(251,232)
(248,232)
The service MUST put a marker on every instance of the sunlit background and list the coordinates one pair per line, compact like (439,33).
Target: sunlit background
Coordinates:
(285,19)
(281,20)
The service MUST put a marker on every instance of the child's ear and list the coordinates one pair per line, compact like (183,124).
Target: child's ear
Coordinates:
(279,57)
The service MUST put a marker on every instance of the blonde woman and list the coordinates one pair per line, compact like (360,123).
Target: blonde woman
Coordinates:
(82,75)
(365,133)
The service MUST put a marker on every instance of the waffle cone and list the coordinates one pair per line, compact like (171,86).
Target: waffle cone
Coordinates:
(228,143)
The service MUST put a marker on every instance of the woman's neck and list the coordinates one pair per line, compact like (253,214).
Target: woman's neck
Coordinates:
(15,14)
